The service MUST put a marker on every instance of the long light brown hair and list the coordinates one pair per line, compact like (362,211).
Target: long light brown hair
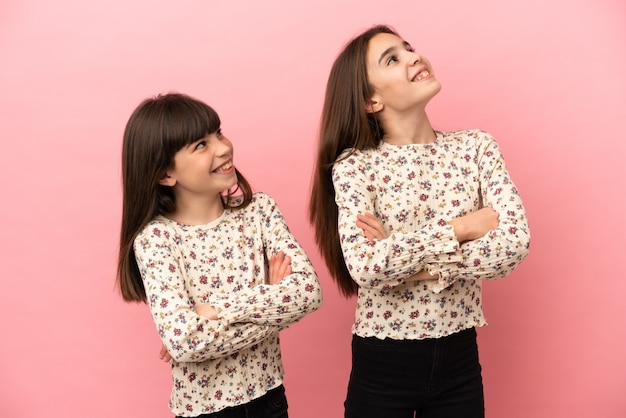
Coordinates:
(345,125)
(155,132)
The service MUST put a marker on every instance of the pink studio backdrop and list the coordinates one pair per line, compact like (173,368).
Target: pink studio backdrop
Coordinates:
(546,78)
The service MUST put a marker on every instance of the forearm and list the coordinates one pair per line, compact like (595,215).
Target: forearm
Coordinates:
(389,262)
(198,339)
(281,304)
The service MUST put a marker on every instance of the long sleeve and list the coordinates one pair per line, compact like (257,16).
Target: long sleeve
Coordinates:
(387,262)
(286,302)
(187,336)
(500,251)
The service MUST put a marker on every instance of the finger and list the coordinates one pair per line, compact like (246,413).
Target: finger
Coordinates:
(375,231)
(275,262)
(372,221)
(163,354)
(284,268)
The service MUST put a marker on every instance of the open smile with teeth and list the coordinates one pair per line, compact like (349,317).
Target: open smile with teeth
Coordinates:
(224,167)
(421,75)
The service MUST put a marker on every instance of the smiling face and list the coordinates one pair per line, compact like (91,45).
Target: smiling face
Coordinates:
(402,79)
(203,168)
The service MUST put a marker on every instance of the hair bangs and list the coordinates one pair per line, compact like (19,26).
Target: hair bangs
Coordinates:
(184,121)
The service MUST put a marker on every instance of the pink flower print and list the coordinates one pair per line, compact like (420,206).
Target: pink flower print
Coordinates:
(386,179)
(369,315)
(396,325)
(172,268)
(429,213)
(423,197)
(192,377)
(163,303)
(387,314)
(402,216)
(218,395)
(411,175)
(156,232)
(204,279)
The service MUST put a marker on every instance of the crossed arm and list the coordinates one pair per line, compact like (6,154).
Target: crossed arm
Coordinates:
(279,268)
(466,228)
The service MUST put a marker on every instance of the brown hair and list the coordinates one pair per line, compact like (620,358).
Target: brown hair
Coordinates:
(345,125)
(155,132)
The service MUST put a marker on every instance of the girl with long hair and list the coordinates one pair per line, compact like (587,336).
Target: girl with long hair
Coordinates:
(411,220)
(216,263)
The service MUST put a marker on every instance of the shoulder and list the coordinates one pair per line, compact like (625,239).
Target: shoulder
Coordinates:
(158,229)
(472,138)
(261,202)
(262,199)
(466,134)
(351,159)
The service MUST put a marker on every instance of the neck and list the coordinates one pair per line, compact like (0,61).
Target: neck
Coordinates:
(197,210)
(404,129)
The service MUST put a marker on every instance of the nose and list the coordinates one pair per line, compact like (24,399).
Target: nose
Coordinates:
(221,146)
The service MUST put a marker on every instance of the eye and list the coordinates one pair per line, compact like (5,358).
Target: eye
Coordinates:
(392,59)
(219,133)
(201,144)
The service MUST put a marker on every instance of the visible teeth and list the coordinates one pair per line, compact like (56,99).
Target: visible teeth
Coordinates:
(225,167)
(422,74)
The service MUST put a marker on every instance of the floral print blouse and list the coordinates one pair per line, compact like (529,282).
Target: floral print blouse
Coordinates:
(232,360)
(415,190)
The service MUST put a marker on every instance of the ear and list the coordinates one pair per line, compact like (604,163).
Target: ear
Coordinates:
(167,180)
(373,106)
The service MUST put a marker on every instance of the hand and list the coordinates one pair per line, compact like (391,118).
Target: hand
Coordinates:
(475,225)
(206,310)
(372,226)
(280,267)
(164,354)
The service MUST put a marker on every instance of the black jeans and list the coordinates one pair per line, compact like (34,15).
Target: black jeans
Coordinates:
(423,378)
(271,405)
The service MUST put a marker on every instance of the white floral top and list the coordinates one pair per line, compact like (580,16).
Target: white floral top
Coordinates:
(415,190)
(232,360)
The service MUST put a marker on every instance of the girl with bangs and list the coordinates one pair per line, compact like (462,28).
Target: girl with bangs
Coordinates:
(410,220)
(215,262)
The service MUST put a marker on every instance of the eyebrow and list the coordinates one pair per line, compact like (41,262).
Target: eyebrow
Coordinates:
(392,49)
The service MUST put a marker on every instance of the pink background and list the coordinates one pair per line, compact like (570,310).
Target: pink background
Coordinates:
(546,78)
